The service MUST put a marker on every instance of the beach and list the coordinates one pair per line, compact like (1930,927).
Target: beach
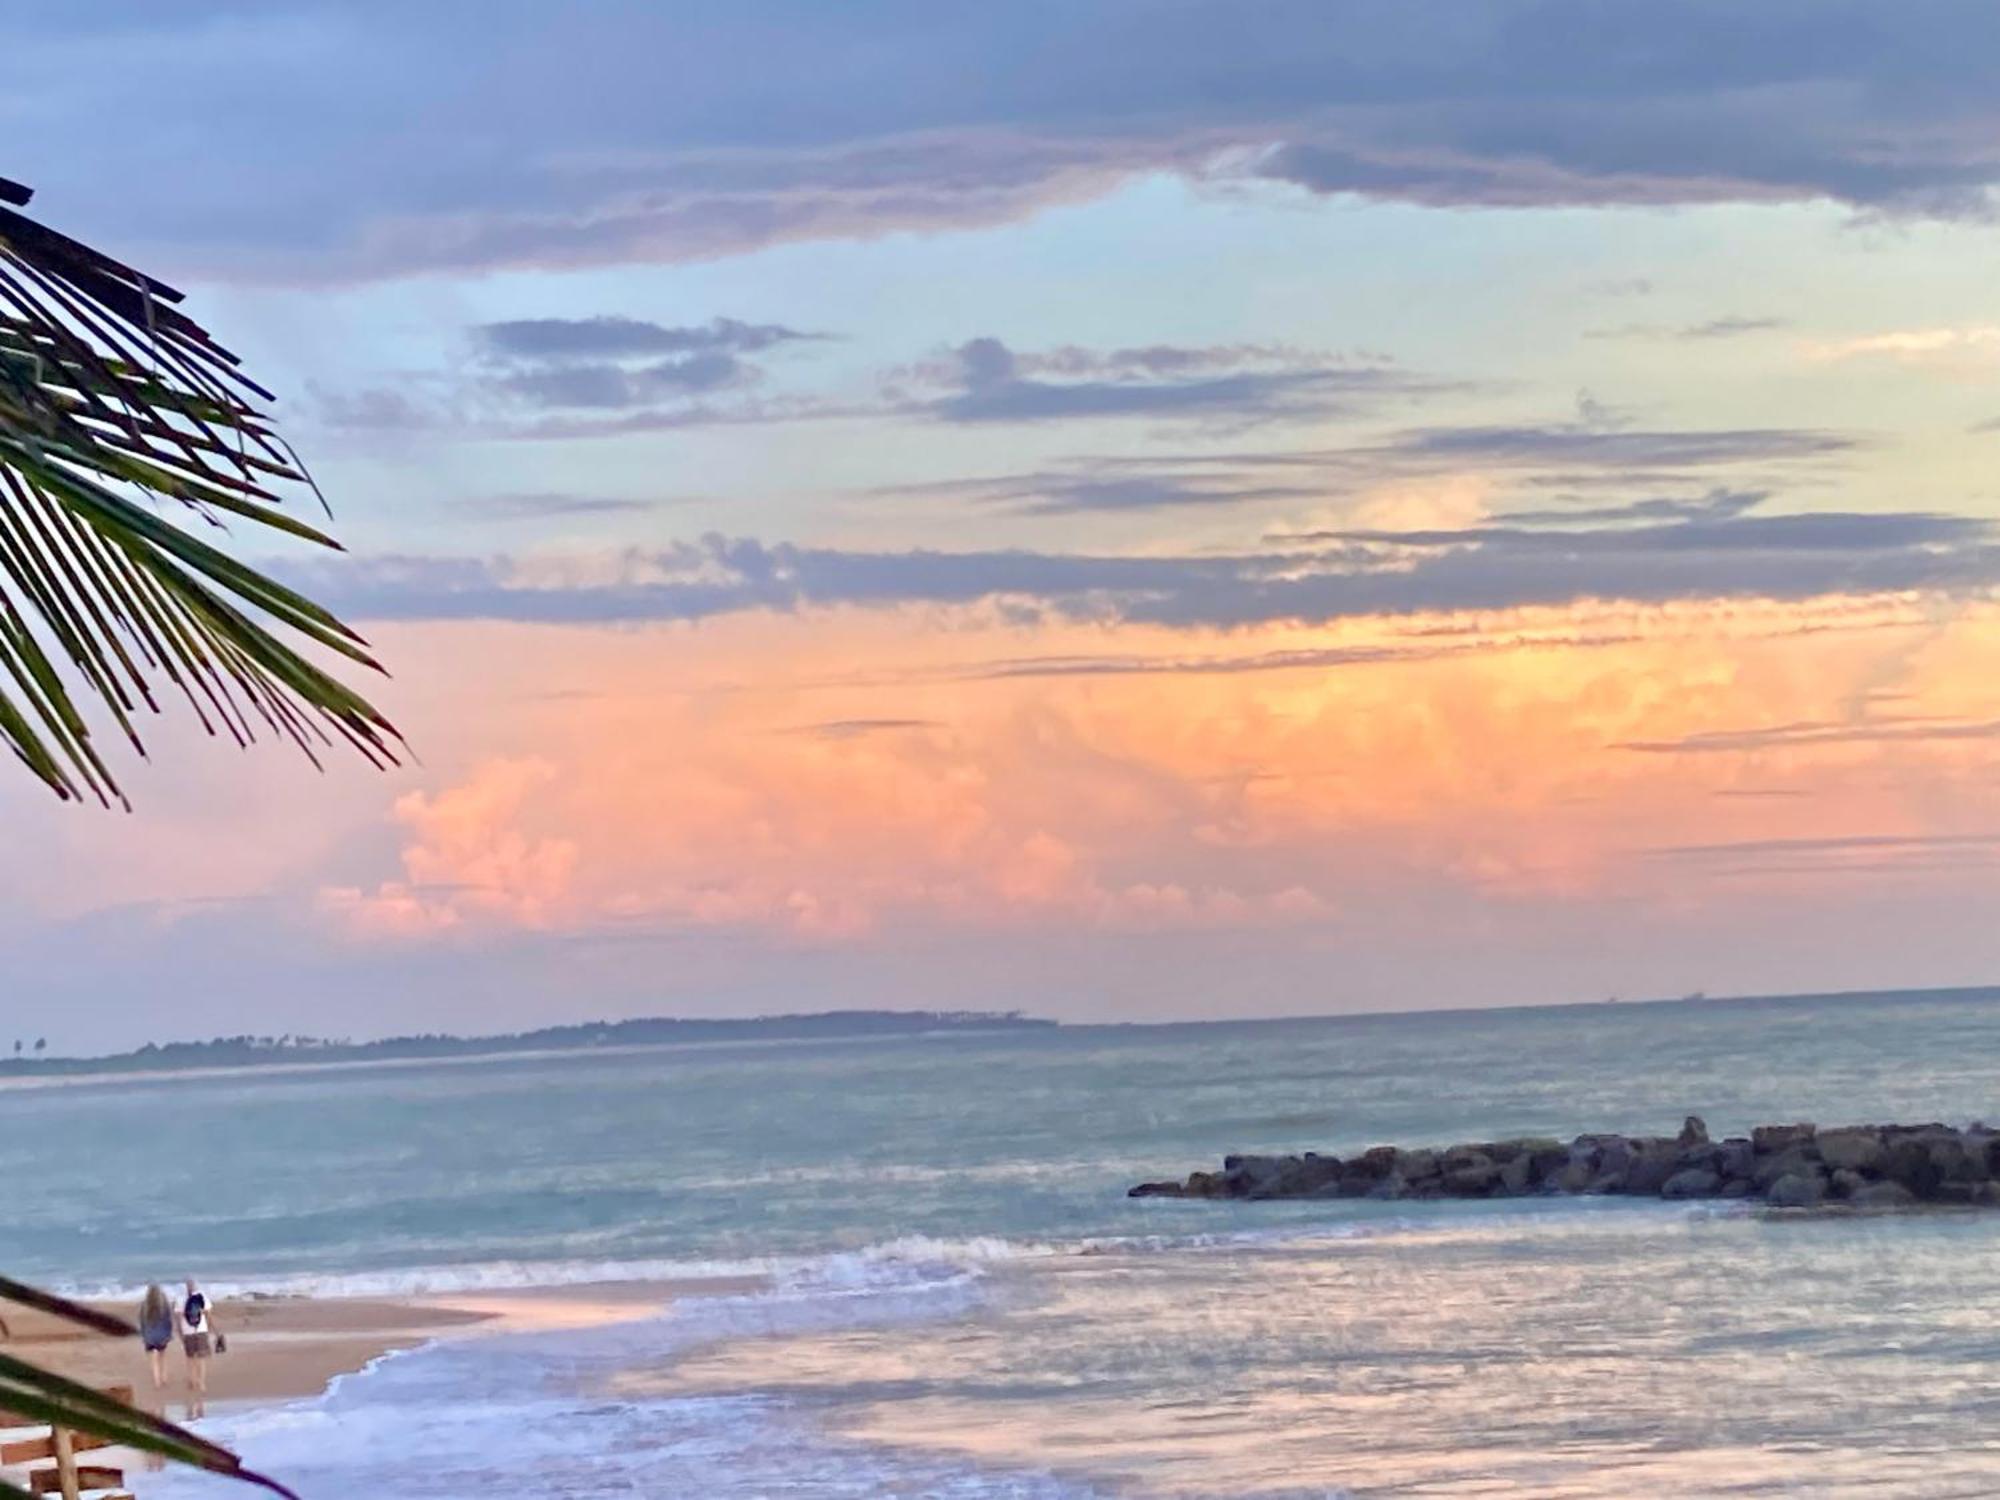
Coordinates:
(291,1347)
(279,1347)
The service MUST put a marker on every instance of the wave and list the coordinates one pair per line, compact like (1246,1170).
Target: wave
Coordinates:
(570,1412)
(889,1259)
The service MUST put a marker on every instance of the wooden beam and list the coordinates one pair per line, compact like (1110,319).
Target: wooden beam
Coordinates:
(85,1477)
(34,1450)
(66,1477)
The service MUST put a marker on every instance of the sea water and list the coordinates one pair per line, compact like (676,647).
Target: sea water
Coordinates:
(961,1302)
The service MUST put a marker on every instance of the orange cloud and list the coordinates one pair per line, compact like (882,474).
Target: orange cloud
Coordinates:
(865,777)
(468,860)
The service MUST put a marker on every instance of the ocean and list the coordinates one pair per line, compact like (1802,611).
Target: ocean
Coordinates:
(962,1302)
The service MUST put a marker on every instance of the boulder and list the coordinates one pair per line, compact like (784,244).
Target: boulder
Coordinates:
(1858,1149)
(1545,1164)
(1793,1160)
(1575,1176)
(1957,1160)
(1417,1166)
(1769,1139)
(1789,1166)
(1691,1182)
(1736,1158)
(1907,1159)
(1472,1179)
(1797,1190)
(1882,1195)
(1650,1170)
(1270,1176)
(1313,1174)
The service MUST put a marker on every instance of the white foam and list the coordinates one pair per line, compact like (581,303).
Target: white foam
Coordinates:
(530,1413)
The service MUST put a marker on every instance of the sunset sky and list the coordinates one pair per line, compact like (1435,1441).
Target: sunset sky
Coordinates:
(1121,510)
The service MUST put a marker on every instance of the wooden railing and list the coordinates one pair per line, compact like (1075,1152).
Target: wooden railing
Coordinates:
(63,1475)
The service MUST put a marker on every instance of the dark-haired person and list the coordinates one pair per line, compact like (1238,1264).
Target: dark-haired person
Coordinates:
(198,1344)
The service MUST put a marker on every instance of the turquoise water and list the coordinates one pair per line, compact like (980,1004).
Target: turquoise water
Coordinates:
(964,1303)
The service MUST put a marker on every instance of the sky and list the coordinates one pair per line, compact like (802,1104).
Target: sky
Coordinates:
(1121,509)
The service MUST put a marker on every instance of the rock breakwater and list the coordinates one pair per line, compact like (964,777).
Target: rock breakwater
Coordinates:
(1785,1166)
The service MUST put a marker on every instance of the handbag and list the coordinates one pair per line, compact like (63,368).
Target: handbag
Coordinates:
(222,1343)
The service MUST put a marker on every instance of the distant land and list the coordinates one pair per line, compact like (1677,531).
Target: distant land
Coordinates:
(651,1031)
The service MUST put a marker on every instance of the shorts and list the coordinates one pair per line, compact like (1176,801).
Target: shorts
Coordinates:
(197,1345)
(158,1345)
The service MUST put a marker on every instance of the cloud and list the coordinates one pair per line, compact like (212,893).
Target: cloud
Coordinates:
(854,729)
(1852,854)
(766,124)
(609,336)
(608,376)
(983,380)
(1591,454)
(467,860)
(1973,346)
(549,505)
(1716,505)
(1715,328)
(1548,446)
(1719,554)
(612,363)
(1732,327)
(1813,734)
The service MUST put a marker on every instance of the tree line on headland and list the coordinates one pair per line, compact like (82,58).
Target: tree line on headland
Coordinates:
(647,1031)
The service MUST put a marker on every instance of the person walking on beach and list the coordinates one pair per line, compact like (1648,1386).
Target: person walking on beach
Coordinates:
(198,1344)
(156,1330)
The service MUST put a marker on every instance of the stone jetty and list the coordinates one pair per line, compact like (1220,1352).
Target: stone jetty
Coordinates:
(1784,1166)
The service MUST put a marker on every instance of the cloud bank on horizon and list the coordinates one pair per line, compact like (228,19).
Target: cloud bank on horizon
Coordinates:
(1288,506)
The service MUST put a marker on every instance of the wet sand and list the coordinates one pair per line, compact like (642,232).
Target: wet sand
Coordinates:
(283,1348)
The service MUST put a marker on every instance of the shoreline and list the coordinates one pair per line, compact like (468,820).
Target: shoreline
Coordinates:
(293,1348)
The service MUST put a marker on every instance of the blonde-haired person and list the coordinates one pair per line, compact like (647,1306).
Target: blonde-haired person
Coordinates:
(156,1330)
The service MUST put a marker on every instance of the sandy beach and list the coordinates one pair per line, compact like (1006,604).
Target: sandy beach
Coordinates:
(279,1347)
(283,1348)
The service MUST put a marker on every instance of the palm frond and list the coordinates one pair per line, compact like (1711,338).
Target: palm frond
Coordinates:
(43,1396)
(122,421)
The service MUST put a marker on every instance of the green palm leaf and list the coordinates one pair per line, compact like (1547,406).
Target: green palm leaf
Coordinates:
(122,422)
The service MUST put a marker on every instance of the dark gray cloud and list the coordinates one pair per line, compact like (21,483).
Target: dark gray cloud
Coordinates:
(1326,577)
(1589,455)
(360,137)
(1734,327)
(1715,328)
(1716,505)
(550,505)
(984,380)
(1056,494)
(612,337)
(854,729)
(1619,449)
(611,363)
(1581,457)
(607,376)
